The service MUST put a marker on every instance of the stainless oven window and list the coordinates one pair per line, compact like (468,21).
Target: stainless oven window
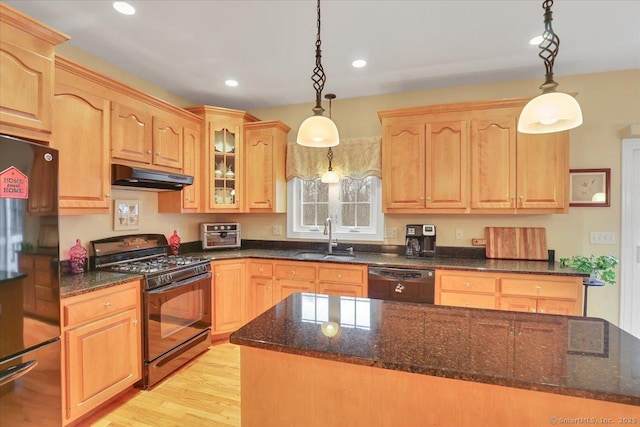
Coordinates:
(221,239)
(181,312)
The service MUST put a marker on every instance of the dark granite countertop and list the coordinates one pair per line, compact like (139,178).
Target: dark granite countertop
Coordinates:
(76,284)
(575,356)
(5,275)
(395,260)
(71,285)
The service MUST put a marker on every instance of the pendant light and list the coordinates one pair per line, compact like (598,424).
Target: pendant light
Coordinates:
(318,130)
(330,177)
(552,111)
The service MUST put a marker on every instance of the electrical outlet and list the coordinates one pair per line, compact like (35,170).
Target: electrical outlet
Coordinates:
(602,238)
(459,234)
(391,233)
(277,230)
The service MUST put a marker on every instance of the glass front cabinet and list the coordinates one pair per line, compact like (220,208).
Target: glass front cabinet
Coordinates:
(224,160)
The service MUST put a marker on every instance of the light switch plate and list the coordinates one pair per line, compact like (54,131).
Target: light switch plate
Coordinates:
(391,233)
(602,238)
(277,230)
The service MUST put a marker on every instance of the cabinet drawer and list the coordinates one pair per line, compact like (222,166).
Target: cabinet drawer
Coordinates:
(260,269)
(100,306)
(47,294)
(341,274)
(539,288)
(468,283)
(467,300)
(295,272)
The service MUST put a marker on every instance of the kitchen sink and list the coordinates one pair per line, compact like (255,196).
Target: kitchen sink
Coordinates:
(319,255)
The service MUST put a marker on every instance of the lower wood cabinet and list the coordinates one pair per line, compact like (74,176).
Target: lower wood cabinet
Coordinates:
(102,346)
(346,280)
(229,297)
(466,289)
(533,293)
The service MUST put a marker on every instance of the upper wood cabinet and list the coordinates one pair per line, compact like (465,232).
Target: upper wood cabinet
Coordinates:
(84,179)
(131,134)
(517,173)
(403,165)
(142,137)
(187,200)
(26,66)
(222,167)
(265,152)
(469,158)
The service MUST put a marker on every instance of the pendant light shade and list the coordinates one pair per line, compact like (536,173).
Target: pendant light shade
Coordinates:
(552,111)
(330,177)
(318,131)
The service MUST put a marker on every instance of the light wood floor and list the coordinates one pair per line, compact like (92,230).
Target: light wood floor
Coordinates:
(205,392)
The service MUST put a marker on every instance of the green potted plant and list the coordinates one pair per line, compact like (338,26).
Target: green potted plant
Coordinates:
(600,268)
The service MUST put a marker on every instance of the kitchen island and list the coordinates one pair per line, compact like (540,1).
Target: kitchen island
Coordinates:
(322,360)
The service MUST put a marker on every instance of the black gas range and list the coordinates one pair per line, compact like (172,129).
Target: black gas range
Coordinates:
(176,299)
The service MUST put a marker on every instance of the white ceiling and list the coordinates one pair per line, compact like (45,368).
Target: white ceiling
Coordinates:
(190,47)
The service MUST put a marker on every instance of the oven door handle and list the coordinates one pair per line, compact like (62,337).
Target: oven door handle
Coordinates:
(181,283)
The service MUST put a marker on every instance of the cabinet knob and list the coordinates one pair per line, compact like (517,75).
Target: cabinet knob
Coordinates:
(158,153)
(421,198)
(428,198)
(293,272)
(108,195)
(260,269)
(538,289)
(148,151)
(542,311)
(466,304)
(468,285)
(217,274)
(107,304)
(513,197)
(521,197)
(134,321)
(533,310)
(269,200)
(339,275)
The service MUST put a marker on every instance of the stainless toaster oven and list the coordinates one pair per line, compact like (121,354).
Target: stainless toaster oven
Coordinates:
(220,235)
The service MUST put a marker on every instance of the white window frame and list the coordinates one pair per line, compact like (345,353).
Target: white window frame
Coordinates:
(374,233)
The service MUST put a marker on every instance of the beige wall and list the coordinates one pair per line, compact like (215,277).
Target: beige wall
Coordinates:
(610,102)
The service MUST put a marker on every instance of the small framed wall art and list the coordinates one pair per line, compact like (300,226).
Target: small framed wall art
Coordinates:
(126,215)
(590,187)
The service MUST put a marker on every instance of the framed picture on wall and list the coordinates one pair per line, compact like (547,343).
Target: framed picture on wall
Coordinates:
(126,215)
(590,187)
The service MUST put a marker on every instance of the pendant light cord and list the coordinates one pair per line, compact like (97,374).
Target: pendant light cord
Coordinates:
(318,75)
(548,48)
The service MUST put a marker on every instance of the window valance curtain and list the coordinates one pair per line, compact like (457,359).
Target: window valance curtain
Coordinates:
(354,158)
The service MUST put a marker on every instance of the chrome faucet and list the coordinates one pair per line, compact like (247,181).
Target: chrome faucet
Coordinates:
(327,230)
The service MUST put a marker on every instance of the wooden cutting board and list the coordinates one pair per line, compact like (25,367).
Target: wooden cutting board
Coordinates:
(516,243)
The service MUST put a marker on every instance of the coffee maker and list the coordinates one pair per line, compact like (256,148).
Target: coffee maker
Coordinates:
(421,241)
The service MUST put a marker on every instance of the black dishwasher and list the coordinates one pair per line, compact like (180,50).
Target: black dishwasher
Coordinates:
(401,284)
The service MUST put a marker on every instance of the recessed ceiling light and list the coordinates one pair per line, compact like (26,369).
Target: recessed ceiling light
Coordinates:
(536,40)
(359,63)
(124,8)
(231,83)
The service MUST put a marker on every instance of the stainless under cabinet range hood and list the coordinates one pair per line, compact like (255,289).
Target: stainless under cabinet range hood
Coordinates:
(126,176)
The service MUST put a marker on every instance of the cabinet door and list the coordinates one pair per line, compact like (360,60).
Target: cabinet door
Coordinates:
(447,162)
(259,160)
(493,162)
(543,171)
(286,287)
(102,359)
(552,306)
(191,166)
(131,134)
(167,143)
(25,88)
(527,305)
(229,297)
(260,295)
(224,189)
(340,289)
(84,178)
(468,300)
(403,167)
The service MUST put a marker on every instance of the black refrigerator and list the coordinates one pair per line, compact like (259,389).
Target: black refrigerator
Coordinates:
(30,382)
